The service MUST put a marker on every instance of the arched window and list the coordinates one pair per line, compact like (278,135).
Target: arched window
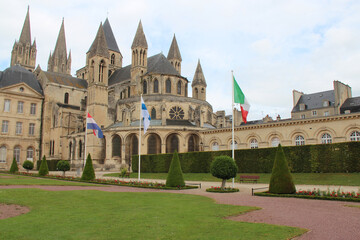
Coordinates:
(74,150)
(2,154)
(355,136)
(30,154)
(196,93)
(135,146)
(326,138)
(17,154)
(128,92)
(153,113)
(116,146)
(172,143)
(179,85)
(92,69)
(154,146)
(66,98)
(192,144)
(299,140)
(70,149)
(168,86)
(235,146)
(156,86)
(80,149)
(215,146)
(144,87)
(101,71)
(254,143)
(113,59)
(275,142)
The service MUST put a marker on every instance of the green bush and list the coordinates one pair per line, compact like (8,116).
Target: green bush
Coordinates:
(175,176)
(44,170)
(223,167)
(88,173)
(14,167)
(123,172)
(281,180)
(28,165)
(52,164)
(63,166)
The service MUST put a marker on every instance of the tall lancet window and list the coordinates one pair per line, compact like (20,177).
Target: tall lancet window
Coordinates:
(101,71)
(144,87)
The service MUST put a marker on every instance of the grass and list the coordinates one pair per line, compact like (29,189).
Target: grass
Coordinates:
(104,215)
(340,179)
(9,179)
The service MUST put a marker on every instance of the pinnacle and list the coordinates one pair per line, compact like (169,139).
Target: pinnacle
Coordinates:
(25,36)
(174,52)
(139,39)
(199,78)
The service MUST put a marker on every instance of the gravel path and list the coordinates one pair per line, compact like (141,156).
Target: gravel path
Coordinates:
(323,219)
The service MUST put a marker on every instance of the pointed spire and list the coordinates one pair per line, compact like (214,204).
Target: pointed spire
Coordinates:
(25,36)
(34,43)
(199,78)
(174,52)
(109,35)
(60,47)
(139,39)
(99,46)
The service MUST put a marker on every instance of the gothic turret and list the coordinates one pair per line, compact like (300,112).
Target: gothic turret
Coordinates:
(58,61)
(199,84)
(174,55)
(114,52)
(23,52)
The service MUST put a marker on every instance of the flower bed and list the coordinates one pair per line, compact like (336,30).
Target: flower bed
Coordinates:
(219,190)
(140,184)
(318,194)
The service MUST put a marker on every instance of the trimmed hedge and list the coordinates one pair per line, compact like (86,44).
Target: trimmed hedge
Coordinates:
(52,164)
(324,158)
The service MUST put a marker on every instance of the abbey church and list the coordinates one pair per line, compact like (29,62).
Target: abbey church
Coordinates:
(43,112)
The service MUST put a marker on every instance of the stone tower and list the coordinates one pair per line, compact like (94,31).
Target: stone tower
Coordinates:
(114,52)
(138,59)
(58,61)
(23,52)
(199,84)
(174,55)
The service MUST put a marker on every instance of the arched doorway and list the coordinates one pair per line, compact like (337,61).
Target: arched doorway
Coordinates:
(116,146)
(131,148)
(153,144)
(172,143)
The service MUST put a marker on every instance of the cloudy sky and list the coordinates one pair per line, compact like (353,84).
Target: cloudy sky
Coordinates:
(273,47)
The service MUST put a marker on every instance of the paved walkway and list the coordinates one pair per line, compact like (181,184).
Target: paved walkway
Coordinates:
(323,219)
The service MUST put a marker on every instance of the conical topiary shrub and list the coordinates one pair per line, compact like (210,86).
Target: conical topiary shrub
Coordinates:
(281,180)
(14,167)
(88,173)
(175,176)
(44,169)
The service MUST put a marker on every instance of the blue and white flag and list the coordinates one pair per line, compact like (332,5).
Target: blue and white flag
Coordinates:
(91,124)
(145,115)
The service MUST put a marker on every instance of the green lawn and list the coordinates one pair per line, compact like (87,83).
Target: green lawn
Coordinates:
(342,179)
(104,215)
(10,179)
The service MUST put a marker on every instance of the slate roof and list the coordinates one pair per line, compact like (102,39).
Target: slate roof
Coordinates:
(17,74)
(352,104)
(99,47)
(65,79)
(174,52)
(109,35)
(199,78)
(139,39)
(315,100)
(60,46)
(156,64)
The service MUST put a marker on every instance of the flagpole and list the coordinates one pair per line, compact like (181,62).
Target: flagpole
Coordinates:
(139,139)
(233,120)
(85,137)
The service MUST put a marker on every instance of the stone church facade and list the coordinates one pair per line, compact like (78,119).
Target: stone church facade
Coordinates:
(111,93)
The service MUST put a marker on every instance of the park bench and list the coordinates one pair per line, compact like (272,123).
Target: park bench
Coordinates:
(249,178)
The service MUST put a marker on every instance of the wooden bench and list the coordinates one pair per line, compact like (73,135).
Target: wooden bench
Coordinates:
(249,178)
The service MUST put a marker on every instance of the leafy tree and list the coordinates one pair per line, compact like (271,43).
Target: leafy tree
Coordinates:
(63,166)
(44,170)
(28,165)
(223,167)
(14,167)
(88,173)
(281,180)
(175,176)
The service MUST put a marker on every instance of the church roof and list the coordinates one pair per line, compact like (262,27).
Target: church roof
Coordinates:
(60,47)
(315,100)
(352,104)
(174,52)
(25,36)
(109,35)
(66,79)
(99,47)
(199,78)
(17,74)
(139,39)
(156,64)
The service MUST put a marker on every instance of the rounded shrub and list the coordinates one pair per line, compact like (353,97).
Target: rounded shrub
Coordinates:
(44,170)
(14,167)
(63,166)
(223,167)
(88,173)
(28,165)
(175,176)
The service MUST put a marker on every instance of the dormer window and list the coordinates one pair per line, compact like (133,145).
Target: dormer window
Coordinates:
(302,106)
(325,103)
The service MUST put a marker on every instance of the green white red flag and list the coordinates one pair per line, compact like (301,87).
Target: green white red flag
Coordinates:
(239,97)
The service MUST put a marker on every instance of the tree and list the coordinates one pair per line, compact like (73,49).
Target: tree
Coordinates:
(175,176)
(88,173)
(28,165)
(14,167)
(44,169)
(223,167)
(63,166)
(281,180)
